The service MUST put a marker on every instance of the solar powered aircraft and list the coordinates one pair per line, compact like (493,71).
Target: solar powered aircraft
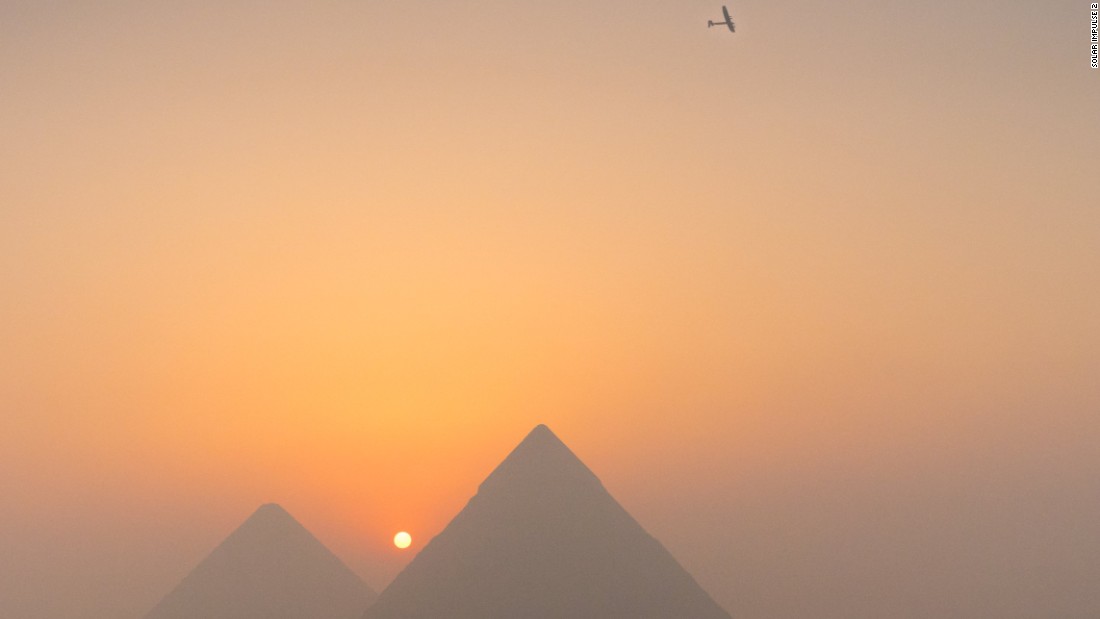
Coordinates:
(728,23)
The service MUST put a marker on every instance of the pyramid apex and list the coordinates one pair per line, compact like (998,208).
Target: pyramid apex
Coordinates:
(542,432)
(540,440)
(539,462)
(272,511)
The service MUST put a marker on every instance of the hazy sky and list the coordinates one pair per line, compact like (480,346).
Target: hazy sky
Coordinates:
(817,301)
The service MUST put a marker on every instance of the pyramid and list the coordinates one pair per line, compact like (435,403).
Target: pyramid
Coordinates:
(543,539)
(271,567)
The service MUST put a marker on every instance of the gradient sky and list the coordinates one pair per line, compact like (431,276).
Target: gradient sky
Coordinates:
(817,301)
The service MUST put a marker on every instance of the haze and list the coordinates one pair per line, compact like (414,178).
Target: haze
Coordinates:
(816,300)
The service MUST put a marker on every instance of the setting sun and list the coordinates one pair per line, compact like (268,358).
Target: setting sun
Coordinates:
(402,540)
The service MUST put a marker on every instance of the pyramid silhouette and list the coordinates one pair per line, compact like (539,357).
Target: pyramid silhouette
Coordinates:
(543,539)
(271,567)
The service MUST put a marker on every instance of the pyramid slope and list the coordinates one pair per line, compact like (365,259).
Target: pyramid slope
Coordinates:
(543,539)
(271,567)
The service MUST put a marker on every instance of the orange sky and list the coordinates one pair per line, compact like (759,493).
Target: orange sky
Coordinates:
(816,301)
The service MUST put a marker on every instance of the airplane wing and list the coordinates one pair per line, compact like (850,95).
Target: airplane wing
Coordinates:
(729,20)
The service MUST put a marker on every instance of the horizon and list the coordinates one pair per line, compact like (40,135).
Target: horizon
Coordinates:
(816,299)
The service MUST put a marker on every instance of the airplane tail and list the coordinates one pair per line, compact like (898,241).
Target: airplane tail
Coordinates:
(709,23)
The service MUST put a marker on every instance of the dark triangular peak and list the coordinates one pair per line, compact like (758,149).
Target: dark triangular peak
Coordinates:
(540,460)
(270,567)
(543,539)
(270,523)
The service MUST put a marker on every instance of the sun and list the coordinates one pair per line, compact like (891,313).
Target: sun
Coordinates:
(402,540)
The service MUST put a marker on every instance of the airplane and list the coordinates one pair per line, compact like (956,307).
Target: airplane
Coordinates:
(728,22)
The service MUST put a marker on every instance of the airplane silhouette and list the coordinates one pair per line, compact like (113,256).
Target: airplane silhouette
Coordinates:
(728,22)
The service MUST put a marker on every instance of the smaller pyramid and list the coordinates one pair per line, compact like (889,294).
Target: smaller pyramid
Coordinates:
(271,567)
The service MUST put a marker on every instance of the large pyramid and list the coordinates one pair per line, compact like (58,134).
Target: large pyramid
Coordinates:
(542,539)
(271,567)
